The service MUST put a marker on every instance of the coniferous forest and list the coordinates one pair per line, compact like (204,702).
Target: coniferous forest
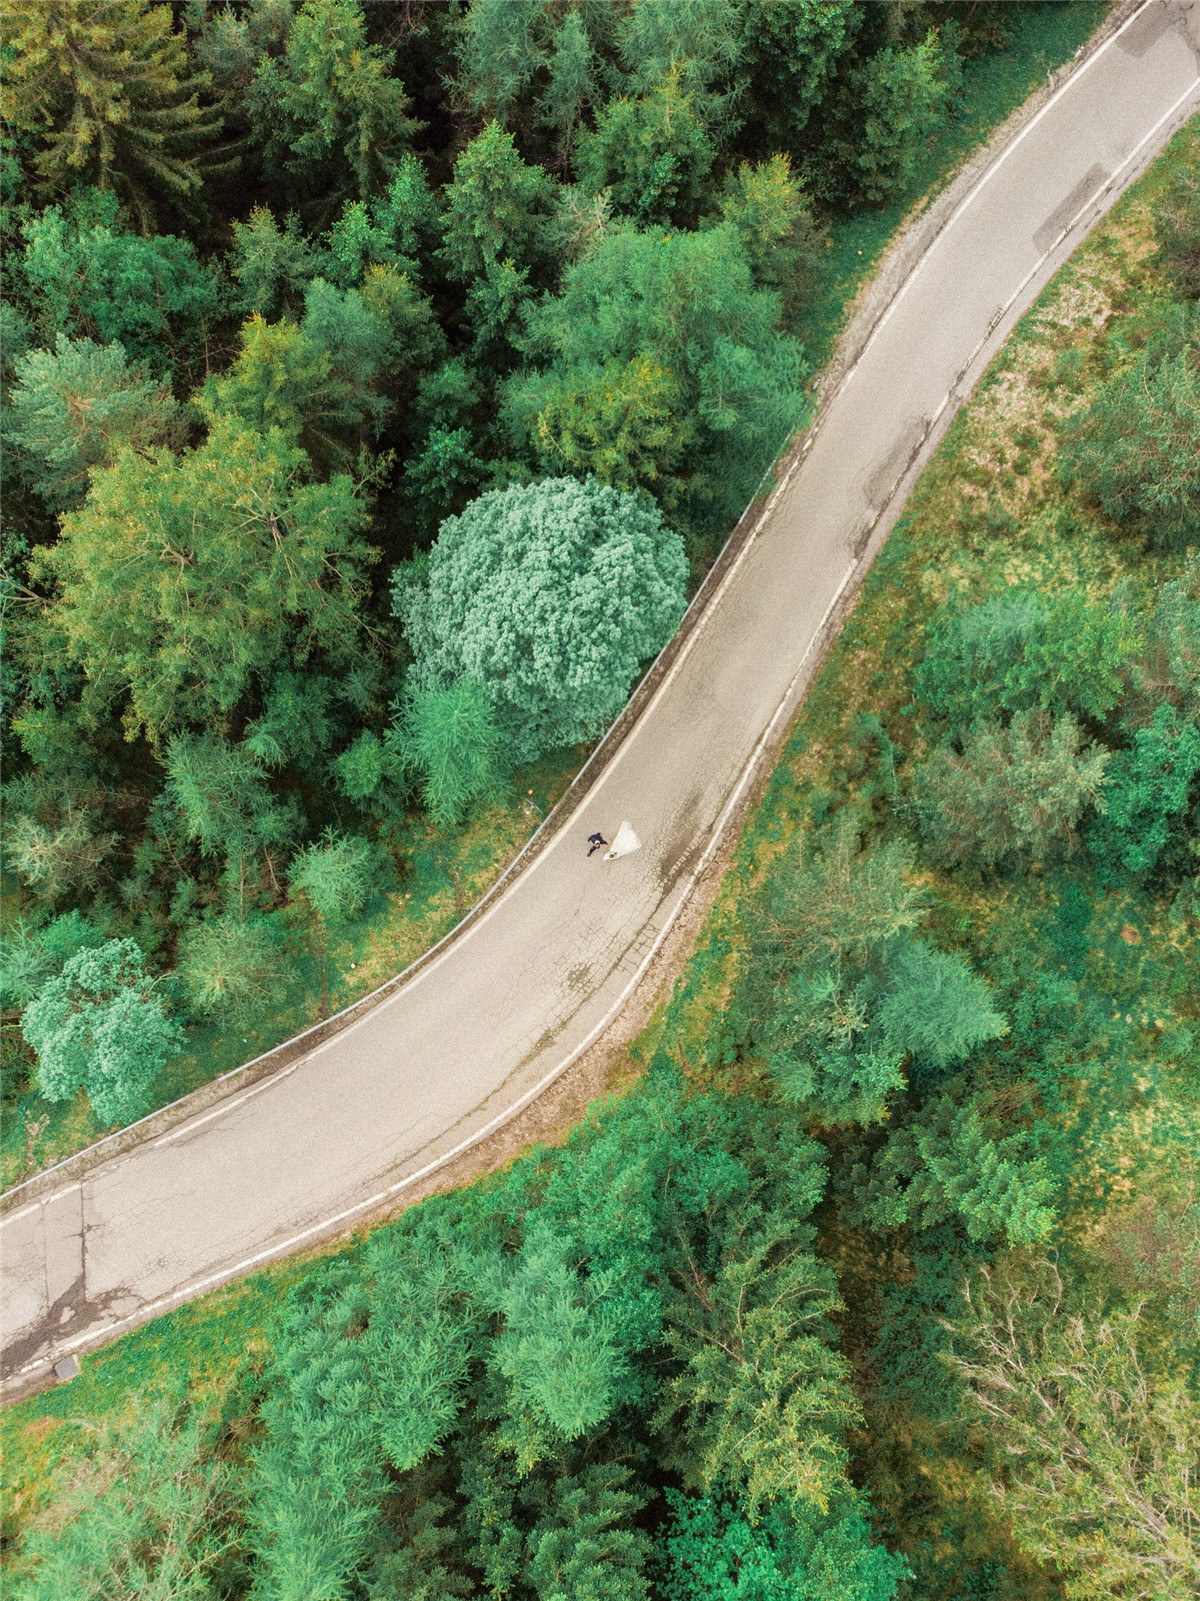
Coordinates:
(349,352)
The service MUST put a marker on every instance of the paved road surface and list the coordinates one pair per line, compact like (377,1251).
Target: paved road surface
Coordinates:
(537,977)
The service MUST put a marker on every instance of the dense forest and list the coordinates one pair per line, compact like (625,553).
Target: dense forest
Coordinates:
(378,380)
(880,1280)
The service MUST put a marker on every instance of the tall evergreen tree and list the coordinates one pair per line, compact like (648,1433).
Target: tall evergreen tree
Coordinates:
(330,113)
(110,96)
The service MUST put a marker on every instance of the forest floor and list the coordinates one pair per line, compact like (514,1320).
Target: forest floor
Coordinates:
(1002,442)
(441,875)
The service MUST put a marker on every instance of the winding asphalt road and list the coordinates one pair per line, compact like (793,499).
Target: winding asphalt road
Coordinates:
(530,983)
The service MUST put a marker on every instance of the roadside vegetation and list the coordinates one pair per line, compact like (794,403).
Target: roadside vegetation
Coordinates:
(324,324)
(880,1278)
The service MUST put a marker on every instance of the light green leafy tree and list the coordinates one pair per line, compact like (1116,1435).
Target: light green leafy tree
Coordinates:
(100,1026)
(449,738)
(1011,794)
(550,596)
(75,408)
(109,93)
(183,582)
(331,116)
(1087,1434)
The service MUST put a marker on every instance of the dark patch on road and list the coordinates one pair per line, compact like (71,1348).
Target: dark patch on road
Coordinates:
(683,850)
(1154,21)
(1066,211)
(72,1313)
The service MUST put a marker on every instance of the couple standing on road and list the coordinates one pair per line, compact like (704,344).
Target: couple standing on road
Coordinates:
(625,843)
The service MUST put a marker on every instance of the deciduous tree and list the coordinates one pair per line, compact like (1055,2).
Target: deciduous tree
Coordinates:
(550,597)
(99,1026)
(184,582)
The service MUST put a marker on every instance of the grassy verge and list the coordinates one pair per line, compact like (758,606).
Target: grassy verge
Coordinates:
(442,875)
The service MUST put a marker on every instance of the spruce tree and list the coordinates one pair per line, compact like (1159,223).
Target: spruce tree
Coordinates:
(108,92)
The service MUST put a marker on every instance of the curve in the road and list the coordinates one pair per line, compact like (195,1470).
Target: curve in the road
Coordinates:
(481,1027)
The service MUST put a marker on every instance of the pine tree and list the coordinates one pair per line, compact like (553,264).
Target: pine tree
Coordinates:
(571,88)
(561,1345)
(230,965)
(767,208)
(664,341)
(1147,793)
(652,152)
(1022,650)
(584,1545)
(1135,451)
(152,1510)
(889,109)
(420,1343)
(1013,793)
(77,408)
(450,739)
(334,879)
(107,90)
(933,1006)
